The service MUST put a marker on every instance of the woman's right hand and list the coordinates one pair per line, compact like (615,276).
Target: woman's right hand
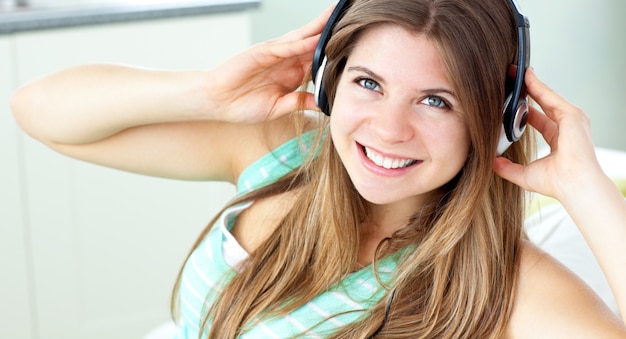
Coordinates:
(260,83)
(176,124)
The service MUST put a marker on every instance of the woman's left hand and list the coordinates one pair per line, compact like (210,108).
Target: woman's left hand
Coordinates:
(571,163)
(571,174)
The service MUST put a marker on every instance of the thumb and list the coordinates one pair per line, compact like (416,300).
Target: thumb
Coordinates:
(293,102)
(509,171)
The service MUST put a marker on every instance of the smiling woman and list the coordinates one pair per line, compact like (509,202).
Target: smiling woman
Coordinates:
(390,215)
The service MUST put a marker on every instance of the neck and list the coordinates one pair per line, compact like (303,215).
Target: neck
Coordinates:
(384,222)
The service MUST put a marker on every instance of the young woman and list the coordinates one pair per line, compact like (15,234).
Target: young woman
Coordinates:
(393,217)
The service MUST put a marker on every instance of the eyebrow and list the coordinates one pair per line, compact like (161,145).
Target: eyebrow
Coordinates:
(368,71)
(378,78)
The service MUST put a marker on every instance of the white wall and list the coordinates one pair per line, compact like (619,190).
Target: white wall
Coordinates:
(578,48)
(276,17)
(86,251)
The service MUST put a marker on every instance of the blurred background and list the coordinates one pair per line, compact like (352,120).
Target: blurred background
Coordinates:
(89,252)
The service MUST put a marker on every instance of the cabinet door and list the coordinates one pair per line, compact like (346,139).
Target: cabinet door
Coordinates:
(107,245)
(15,301)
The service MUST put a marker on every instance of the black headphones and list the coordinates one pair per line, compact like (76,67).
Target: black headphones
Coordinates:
(515,104)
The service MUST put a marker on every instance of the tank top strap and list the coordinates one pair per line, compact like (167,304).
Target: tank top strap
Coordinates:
(276,164)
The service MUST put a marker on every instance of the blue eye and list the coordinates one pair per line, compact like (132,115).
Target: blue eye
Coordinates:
(435,102)
(368,84)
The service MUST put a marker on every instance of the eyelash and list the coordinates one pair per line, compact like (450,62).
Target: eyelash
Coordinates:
(362,80)
(443,105)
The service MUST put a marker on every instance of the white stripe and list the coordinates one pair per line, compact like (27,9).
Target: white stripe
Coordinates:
(302,327)
(295,323)
(268,331)
(325,315)
(195,293)
(201,274)
(190,320)
(190,325)
(346,300)
(386,269)
(207,248)
(247,185)
(367,285)
(264,173)
(190,307)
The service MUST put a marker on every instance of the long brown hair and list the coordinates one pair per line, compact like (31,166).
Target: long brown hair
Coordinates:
(459,280)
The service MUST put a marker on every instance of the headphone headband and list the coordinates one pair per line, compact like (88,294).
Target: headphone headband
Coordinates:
(335,16)
(515,106)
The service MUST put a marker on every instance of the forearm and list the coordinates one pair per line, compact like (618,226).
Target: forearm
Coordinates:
(85,104)
(599,210)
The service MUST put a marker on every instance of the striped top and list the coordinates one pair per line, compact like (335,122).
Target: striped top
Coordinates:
(215,262)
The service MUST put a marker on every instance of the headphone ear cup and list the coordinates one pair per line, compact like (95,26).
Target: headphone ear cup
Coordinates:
(321,100)
(521,119)
(514,123)
(319,57)
(504,142)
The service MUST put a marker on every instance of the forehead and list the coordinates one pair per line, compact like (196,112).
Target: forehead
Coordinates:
(392,51)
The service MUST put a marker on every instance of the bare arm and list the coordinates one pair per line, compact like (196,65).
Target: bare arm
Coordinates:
(552,302)
(178,124)
(572,174)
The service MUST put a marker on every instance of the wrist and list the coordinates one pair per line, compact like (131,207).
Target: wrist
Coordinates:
(194,99)
(590,190)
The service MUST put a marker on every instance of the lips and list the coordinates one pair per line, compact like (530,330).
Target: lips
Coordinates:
(386,161)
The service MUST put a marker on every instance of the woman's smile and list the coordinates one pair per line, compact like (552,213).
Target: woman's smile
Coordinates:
(383,164)
(387,162)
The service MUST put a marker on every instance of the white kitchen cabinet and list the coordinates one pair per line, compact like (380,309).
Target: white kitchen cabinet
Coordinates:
(15,274)
(104,246)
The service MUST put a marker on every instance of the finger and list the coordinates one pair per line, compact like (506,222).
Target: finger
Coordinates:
(510,171)
(552,104)
(292,102)
(548,129)
(297,48)
(269,54)
(568,118)
(309,103)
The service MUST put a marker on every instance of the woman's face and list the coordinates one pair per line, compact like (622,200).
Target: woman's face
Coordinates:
(395,121)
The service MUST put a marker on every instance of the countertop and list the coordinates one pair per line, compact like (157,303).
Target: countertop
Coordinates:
(25,18)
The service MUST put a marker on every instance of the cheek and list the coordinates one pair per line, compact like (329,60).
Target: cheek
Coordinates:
(462,142)
(346,115)
(450,139)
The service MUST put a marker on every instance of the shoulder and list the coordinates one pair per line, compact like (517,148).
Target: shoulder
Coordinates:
(552,302)
(259,140)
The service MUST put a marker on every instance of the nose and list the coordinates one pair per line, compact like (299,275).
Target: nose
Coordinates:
(390,124)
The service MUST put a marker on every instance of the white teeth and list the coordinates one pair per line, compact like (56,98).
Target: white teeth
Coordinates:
(388,163)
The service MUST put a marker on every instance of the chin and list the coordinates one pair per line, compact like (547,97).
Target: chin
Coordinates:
(379,197)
